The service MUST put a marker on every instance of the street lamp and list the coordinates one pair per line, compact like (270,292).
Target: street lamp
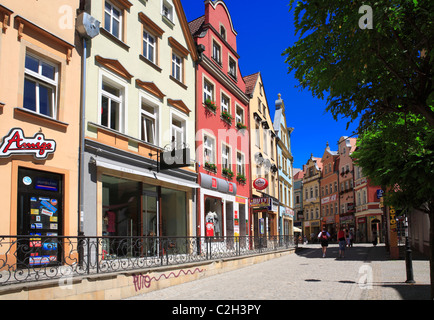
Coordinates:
(408,257)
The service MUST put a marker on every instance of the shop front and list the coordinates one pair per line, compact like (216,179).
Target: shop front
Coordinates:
(264,217)
(132,199)
(39,194)
(369,228)
(222,212)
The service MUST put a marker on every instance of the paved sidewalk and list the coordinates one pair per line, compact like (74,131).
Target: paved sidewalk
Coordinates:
(364,274)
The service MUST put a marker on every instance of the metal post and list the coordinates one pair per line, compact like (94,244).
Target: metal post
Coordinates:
(408,255)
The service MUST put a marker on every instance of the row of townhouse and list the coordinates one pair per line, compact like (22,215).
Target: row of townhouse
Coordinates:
(120,118)
(332,192)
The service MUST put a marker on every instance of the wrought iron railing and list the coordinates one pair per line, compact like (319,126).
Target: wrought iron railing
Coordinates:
(37,258)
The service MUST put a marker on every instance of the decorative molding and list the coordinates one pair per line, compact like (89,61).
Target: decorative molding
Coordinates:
(24,23)
(178,47)
(180,105)
(115,66)
(6,17)
(151,88)
(150,24)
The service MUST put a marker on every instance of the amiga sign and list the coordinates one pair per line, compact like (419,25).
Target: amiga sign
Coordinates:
(15,143)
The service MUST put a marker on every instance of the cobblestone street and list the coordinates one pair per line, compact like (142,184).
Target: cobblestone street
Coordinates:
(364,274)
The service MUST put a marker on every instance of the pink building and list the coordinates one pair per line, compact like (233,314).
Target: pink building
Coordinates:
(222,115)
(346,182)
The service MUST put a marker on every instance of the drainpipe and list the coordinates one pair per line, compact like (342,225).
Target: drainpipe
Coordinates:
(88,28)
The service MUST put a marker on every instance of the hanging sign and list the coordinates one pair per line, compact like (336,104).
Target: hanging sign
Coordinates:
(260,183)
(16,144)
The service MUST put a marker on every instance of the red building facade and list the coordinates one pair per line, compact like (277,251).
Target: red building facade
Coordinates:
(222,143)
(329,185)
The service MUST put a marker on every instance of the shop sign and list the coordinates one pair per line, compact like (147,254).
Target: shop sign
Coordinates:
(177,158)
(260,203)
(260,183)
(15,143)
(392,215)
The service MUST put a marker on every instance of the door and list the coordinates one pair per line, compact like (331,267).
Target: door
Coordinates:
(40,216)
(150,222)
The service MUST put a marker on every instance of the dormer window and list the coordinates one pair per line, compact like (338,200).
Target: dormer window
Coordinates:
(223,32)
(167,10)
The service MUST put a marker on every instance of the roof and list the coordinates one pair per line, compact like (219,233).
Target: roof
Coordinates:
(250,81)
(299,175)
(195,25)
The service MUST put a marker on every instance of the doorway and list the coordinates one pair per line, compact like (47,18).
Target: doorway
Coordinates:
(40,215)
(150,222)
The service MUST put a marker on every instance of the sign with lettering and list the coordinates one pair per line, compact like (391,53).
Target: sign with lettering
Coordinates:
(15,143)
(260,183)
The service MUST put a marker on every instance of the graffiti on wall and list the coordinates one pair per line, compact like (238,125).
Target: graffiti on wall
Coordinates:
(144,281)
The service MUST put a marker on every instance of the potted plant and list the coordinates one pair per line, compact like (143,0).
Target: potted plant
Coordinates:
(241,126)
(210,105)
(241,178)
(227,116)
(210,166)
(227,172)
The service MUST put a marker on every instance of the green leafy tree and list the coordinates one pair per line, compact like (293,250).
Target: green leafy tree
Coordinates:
(398,154)
(366,65)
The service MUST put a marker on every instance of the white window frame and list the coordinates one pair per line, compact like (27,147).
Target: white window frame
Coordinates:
(241,163)
(209,144)
(154,117)
(148,45)
(167,10)
(208,90)
(226,157)
(177,67)
(112,17)
(175,130)
(39,80)
(113,81)
(239,117)
(225,103)
(217,52)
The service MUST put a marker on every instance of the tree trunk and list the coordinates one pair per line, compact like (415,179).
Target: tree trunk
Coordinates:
(431,244)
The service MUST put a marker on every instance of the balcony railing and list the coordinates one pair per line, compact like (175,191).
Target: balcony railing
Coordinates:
(38,258)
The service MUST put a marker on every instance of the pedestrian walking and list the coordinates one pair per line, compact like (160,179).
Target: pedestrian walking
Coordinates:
(347,237)
(323,237)
(341,239)
(351,238)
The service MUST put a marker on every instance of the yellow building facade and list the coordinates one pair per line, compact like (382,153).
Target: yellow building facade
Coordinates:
(263,155)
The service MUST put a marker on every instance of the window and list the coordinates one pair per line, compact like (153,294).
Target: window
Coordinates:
(257,135)
(232,68)
(216,52)
(208,91)
(149,124)
(111,103)
(265,135)
(40,86)
(167,10)
(209,149)
(240,164)
(223,32)
(272,148)
(149,46)
(113,20)
(225,103)
(239,115)
(178,136)
(226,157)
(176,67)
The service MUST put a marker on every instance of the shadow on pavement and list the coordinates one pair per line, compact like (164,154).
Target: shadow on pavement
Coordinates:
(359,252)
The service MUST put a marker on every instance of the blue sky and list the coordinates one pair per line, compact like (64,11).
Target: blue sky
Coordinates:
(265,29)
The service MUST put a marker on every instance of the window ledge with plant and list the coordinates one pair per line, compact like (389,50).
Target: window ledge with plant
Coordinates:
(241,178)
(210,167)
(210,105)
(241,126)
(226,116)
(228,173)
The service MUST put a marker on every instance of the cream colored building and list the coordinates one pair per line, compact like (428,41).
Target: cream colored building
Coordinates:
(140,102)
(263,155)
